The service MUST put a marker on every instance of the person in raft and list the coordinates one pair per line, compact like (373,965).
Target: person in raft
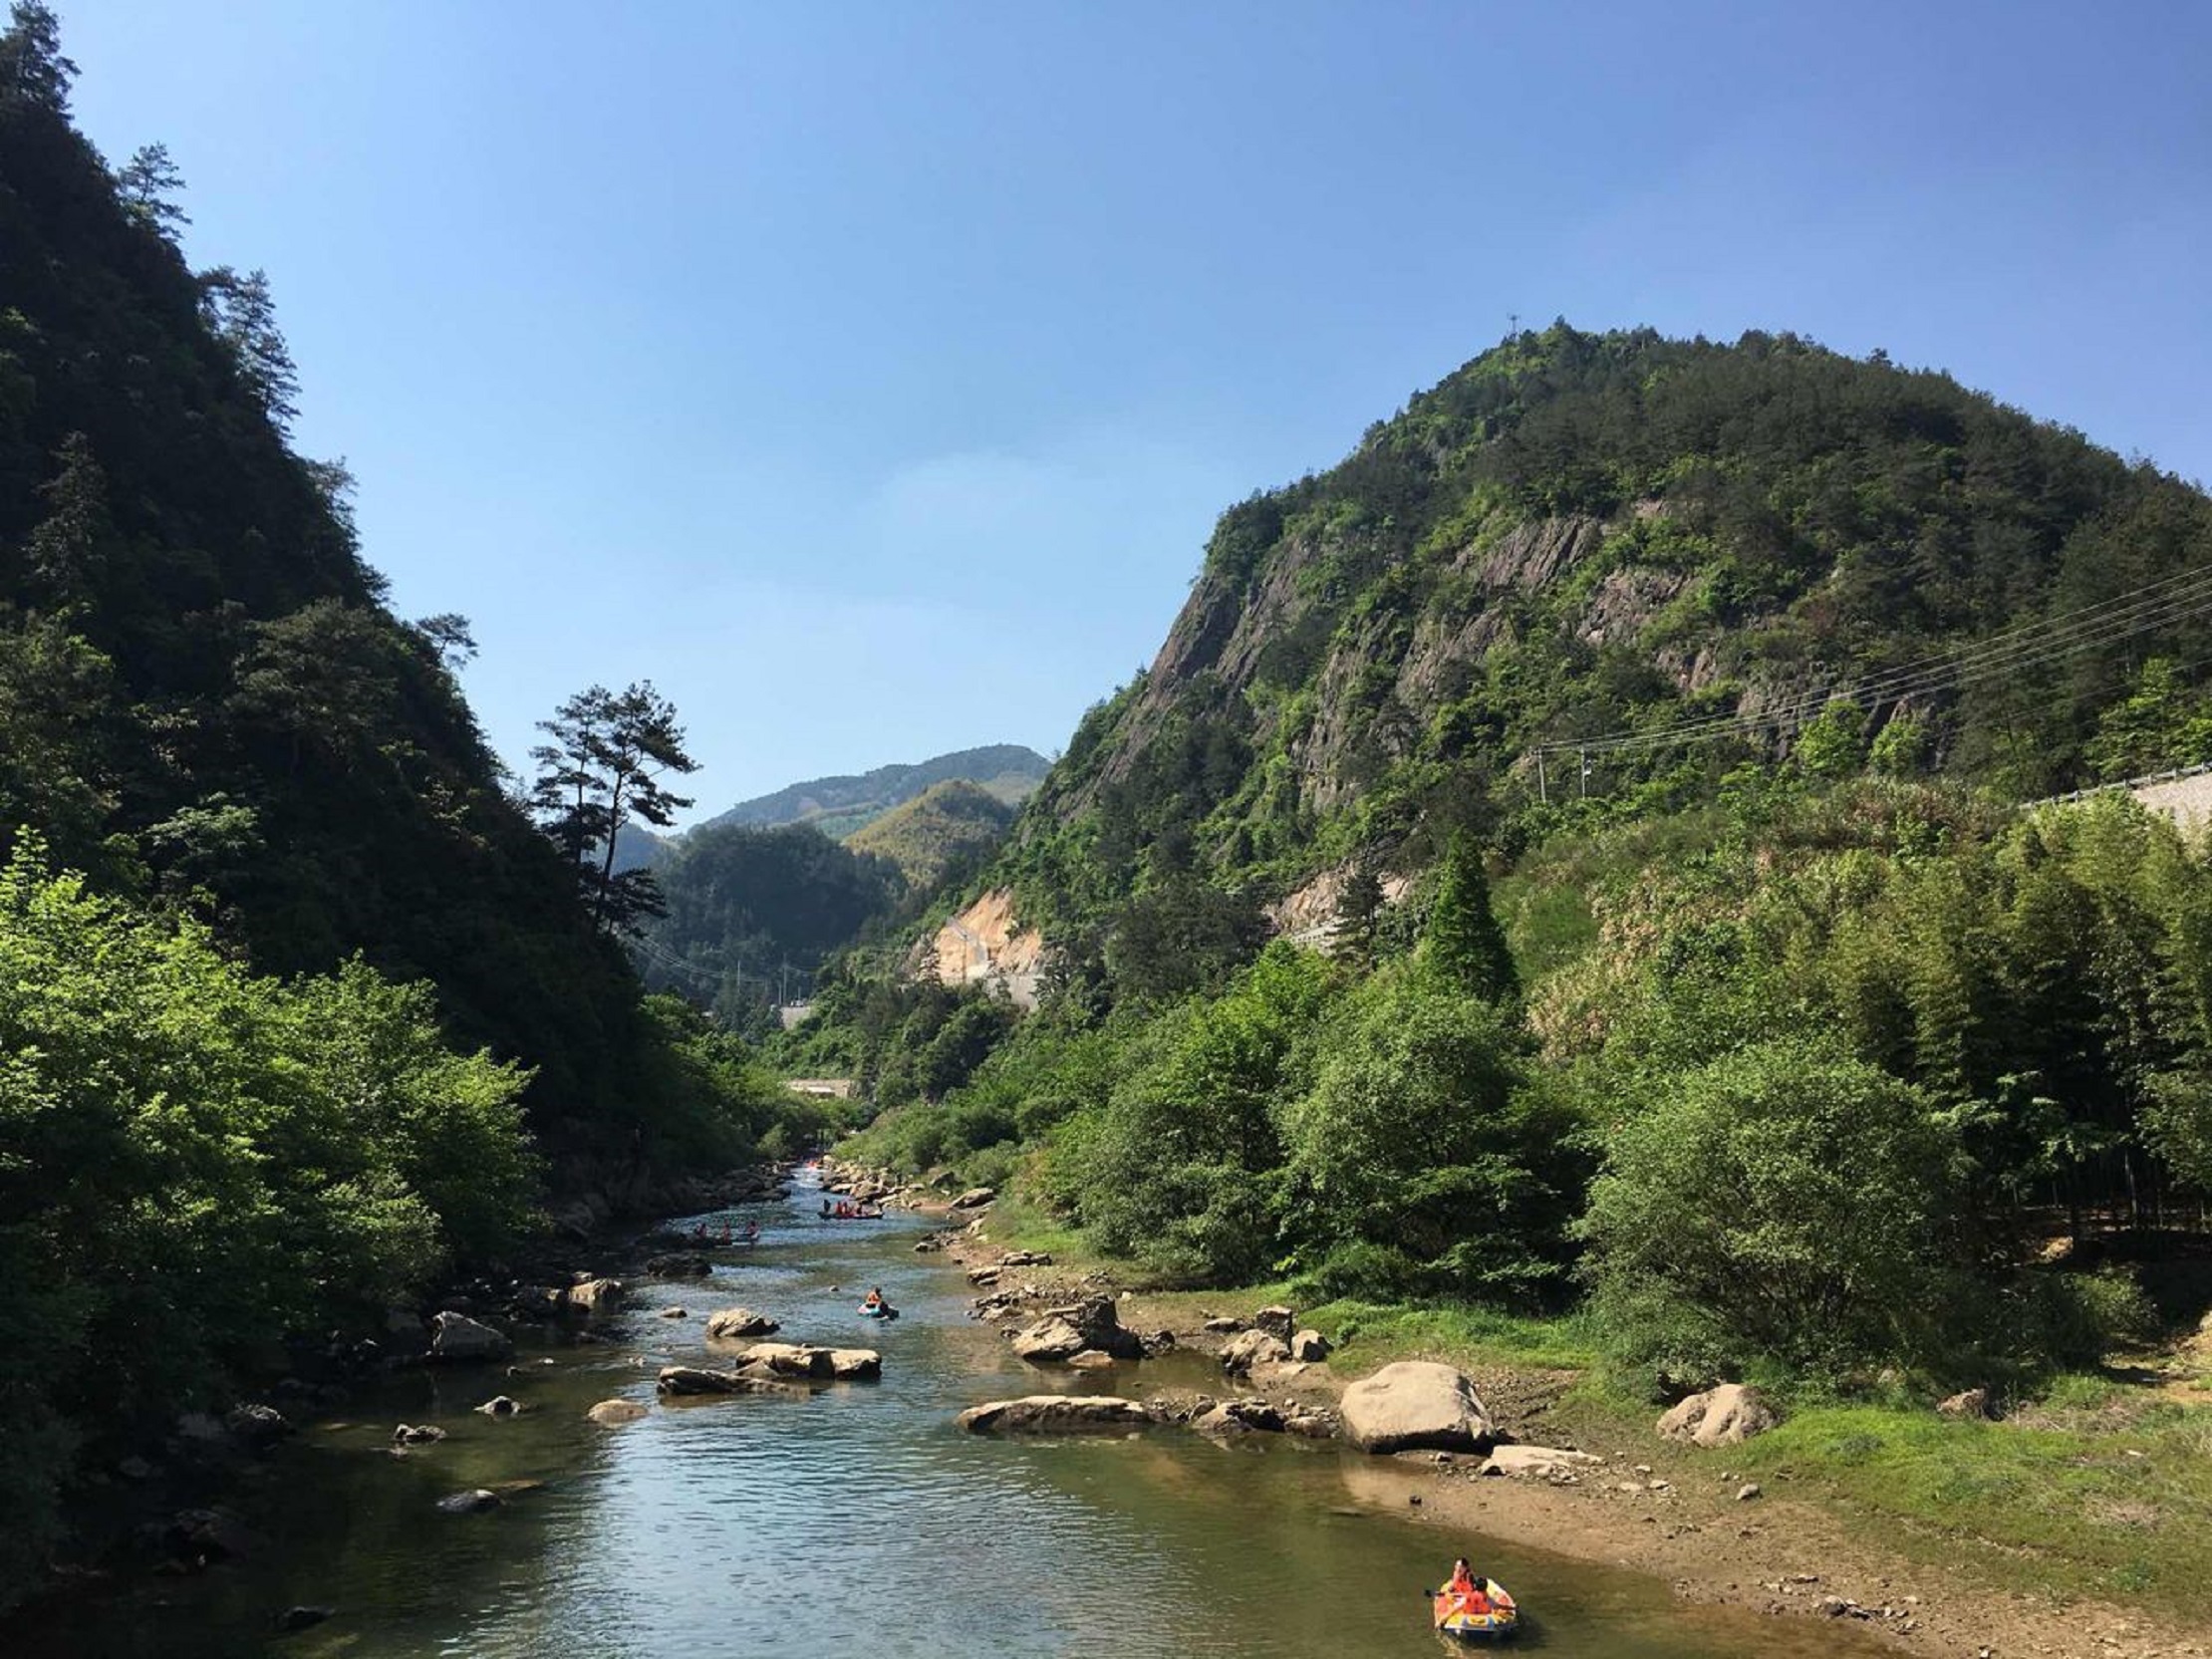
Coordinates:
(1466,1589)
(875,1300)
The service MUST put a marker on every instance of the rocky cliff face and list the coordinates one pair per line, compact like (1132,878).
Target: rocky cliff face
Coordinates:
(1576,537)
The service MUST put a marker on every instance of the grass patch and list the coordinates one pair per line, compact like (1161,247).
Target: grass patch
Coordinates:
(1368,1334)
(2101,1490)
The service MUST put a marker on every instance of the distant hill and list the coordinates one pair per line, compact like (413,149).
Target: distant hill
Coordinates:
(946,824)
(840,805)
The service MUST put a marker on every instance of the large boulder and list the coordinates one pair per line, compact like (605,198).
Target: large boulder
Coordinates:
(681,1265)
(1310,1347)
(1064,1332)
(458,1337)
(594,1296)
(256,1425)
(1415,1404)
(1253,1348)
(855,1364)
(1723,1416)
(975,1198)
(789,1359)
(680,1382)
(1278,1318)
(732,1323)
(1055,1414)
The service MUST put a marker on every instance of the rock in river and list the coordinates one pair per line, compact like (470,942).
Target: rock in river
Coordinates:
(594,1296)
(1415,1404)
(1723,1416)
(455,1336)
(855,1364)
(790,1359)
(1054,1412)
(470,1502)
(1064,1332)
(680,1266)
(736,1322)
(694,1381)
(612,1414)
(1253,1348)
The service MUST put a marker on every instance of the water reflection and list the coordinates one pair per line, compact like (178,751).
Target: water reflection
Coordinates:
(856,1521)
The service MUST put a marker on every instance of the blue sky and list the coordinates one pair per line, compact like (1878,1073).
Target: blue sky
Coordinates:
(869,376)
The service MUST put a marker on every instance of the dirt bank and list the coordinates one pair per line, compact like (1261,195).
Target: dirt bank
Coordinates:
(1651,1506)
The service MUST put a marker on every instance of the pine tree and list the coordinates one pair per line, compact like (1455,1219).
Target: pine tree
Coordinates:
(602,770)
(145,185)
(32,66)
(1463,943)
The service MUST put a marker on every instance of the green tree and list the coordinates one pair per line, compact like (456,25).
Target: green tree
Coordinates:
(602,770)
(1786,1202)
(146,187)
(1463,943)
(31,66)
(1421,1142)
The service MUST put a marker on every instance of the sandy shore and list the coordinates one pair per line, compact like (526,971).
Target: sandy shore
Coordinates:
(1654,1506)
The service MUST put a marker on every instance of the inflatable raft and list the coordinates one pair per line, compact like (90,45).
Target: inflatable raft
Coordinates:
(1490,1618)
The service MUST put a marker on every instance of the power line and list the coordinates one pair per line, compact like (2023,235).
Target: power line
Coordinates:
(2028,646)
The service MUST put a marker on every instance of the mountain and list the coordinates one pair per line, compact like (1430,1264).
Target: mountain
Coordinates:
(840,805)
(946,825)
(1578,544)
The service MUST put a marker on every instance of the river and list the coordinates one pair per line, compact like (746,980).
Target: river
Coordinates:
(856,1521)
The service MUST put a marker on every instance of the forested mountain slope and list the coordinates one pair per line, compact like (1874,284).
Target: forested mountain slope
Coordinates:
(948,825)
(840,805)
(201,688)
(1581,537)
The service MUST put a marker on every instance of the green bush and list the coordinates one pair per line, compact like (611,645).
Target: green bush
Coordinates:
(1786,1204)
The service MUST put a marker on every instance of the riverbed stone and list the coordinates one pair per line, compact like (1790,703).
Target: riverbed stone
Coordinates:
(855,1364)
(417,1434)
(1310,1347)
(1253,1348)
(1234,1419)
(730,1323)
(1723,1416)
(1067,1331)
(612,1414)
(789,1359)
(1541,1462)
(1278,1318)
(1415,1404)
(256,1425)
(455,1337)
(975,1198)
(474,1502)
(681,1265)
(501,1404)
(594,1296)
(1223,1323)
(1055,1414)
(696,1381)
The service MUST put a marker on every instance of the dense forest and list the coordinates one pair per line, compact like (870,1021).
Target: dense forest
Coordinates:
(298,1009)
(1628,745)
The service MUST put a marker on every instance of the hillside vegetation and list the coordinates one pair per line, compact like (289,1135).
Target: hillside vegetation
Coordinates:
(298,1011)
(840,805)
(950,827)
(1793,1049)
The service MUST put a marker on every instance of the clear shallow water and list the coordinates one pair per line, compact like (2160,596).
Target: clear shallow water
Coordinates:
(859,1521)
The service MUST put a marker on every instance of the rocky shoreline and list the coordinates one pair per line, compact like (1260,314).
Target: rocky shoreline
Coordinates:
(1668,1506)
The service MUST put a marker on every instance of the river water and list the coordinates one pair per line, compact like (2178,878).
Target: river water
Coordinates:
(856,1521)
